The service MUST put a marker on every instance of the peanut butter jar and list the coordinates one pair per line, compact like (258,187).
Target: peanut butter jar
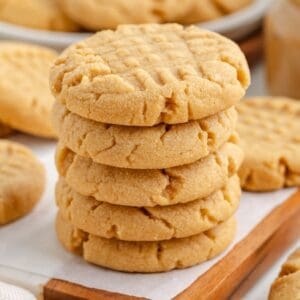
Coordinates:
(282,46)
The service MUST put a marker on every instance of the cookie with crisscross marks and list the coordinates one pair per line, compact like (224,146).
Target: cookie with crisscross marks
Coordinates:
(143,75)
(269,129)
(22,180)
(25,99)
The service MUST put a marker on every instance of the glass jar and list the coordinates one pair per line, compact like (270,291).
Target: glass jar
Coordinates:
(282,48)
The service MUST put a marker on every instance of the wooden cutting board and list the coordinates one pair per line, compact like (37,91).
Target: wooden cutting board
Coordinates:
(268,239)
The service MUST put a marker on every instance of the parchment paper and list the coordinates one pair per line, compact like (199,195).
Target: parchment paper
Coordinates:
(30,244)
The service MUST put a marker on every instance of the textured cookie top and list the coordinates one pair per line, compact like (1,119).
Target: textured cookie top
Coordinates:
(148,74)
(102,14)
(25,99)
(269,129)
(39,14)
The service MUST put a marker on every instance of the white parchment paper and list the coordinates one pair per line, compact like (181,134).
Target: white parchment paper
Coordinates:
(30,244)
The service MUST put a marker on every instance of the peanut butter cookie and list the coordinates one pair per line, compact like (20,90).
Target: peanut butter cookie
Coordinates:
(142,75)
(269,130)
(22,181)
(25,99)
(146,256)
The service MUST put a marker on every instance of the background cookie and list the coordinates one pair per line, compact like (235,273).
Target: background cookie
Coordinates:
(170,75)
(39,14)
(25,100)
(149,187)
(101,14)
(5,130)
(157,147)
(201,11)
(146,256)
(287,285)
(145,223)
(269,130)
(230,6)
(22,180)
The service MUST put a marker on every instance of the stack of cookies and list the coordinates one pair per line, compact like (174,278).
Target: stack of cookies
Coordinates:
(148,152)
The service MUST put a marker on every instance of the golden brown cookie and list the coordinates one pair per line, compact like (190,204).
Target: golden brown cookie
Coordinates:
(161,146)
(201,11)
(146,223)
(22,181)
(287,285)
(149,187)
(230,6)
(108,14)
(4,130)
(38,14)
(269,129)
(142,75)
(146,256)
(25,99)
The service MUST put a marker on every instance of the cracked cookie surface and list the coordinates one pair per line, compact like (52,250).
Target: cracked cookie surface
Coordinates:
(25,99)
(101,14)
(146,256)
(148,223)
(149,187)
(269,130)
(142,75)
(287,285)
(22,180)
(158,147)
(38,14)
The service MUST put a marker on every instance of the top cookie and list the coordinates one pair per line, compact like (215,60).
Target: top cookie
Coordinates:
(38,14)
(143,75)
(103,14)
(270,136)
(25,99)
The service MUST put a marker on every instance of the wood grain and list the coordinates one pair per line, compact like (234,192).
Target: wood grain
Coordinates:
(57,289)
(223,278)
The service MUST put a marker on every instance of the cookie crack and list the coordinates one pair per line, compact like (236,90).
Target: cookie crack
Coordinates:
(145,211)
(112,145)
(174,184)
(130,157)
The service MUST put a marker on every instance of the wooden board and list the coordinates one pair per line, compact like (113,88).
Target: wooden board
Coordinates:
(276,232)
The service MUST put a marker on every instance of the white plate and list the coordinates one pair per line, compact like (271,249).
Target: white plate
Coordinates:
(235,26)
